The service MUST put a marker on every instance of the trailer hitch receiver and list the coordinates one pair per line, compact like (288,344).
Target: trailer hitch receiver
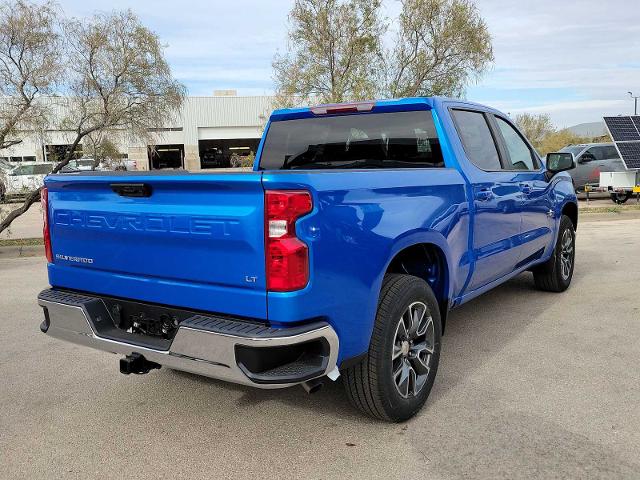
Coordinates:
(136,363)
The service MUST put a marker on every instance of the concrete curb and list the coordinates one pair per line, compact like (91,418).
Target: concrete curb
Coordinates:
(596,216)
(22,251)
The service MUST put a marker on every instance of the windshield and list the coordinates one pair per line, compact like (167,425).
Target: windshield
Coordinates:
(380,140)
(574,149)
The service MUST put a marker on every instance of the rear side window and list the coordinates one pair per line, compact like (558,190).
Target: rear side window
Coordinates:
(610,152)
(42,169)
(372,140)
(477,140)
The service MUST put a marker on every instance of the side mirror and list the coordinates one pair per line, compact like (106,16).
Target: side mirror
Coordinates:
(560,162)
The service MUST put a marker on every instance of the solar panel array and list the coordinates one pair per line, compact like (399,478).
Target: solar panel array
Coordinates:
(625,132)
(630,153)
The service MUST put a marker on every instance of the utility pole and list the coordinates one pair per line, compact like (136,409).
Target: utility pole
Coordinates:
(635,102)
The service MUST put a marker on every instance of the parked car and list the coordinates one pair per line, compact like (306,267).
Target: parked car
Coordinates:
(87,164)
(591,159)
(5,168)
(25,177)
(80,165)
(360,228)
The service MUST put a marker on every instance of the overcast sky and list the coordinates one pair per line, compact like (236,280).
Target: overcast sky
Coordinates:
(575,60)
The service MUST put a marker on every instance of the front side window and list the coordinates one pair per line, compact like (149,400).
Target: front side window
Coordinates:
(520,154)
(371,140)
(476,139)
(591,154)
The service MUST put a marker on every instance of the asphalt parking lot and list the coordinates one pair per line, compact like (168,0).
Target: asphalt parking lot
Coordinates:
(531,385)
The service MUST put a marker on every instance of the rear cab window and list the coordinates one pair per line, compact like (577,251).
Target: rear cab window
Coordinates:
(371,140)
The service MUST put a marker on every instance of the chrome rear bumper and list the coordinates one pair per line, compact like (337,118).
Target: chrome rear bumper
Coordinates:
(205,345)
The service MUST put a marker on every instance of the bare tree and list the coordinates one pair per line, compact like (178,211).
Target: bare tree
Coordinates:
(117,82)
(441,46)
(333,47)
(29,66)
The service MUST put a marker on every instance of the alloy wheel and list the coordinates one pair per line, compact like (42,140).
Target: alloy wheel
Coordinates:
(413,347)
(566,254)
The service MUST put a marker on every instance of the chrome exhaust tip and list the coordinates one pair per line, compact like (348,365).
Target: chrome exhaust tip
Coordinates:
(312,386)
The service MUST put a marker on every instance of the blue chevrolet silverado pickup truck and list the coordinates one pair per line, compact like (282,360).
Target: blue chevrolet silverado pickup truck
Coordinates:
(360,227)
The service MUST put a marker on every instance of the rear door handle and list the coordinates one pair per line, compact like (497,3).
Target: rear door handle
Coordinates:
(484,195)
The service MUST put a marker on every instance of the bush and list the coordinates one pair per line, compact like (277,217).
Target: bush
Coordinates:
(242,161)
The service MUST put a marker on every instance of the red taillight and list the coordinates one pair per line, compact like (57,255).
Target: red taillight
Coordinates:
(44,201)
(287,256)
(343,108)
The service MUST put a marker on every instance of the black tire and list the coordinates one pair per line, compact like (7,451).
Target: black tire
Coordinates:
(621,197)
(371,385)
(551,276)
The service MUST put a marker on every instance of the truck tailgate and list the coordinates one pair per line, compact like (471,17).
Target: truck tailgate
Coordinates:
(196,240)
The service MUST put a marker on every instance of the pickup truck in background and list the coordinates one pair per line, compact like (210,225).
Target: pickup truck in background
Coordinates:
(360,228)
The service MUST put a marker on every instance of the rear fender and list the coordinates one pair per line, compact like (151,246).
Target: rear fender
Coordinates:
(417,237)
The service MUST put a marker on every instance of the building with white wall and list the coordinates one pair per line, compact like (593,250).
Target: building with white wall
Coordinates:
(206,132)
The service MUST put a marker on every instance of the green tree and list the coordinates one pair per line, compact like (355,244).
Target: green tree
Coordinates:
(332,47)
(535,127)
(336,52)
(441,46)
(555,140)
(544,136)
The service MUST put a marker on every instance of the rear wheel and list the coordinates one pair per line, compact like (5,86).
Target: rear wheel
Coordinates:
(556,273)
(394,379)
